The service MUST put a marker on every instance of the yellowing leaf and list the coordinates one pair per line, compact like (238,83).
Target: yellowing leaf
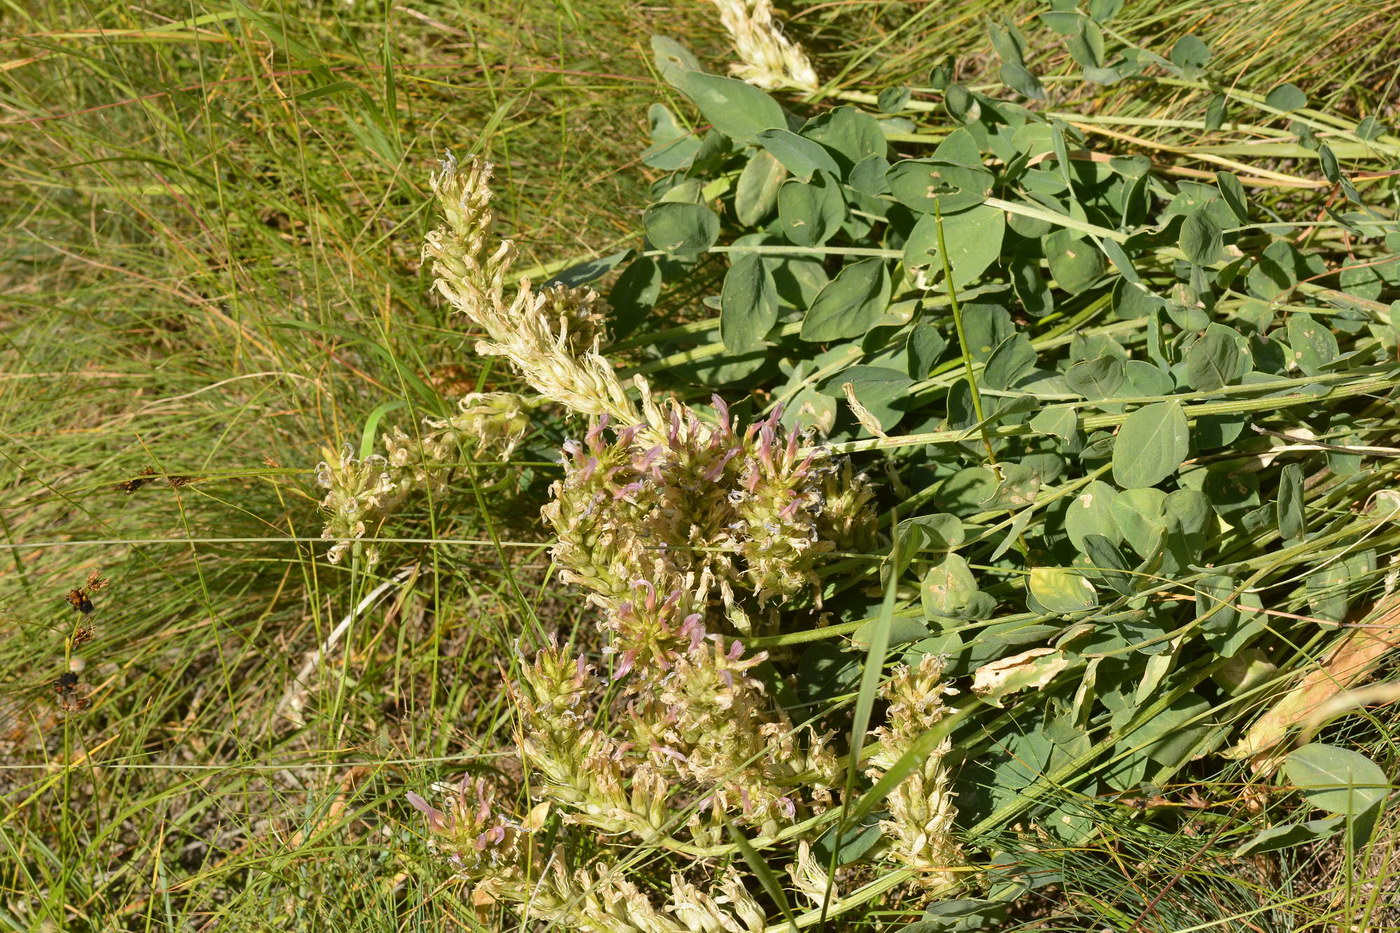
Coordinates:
(1357,655)
(1029,669)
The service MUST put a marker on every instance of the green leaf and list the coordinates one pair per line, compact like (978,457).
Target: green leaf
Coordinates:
(748,304)
(1095,379)
(634,294)
(1201,238)
(1007,41)
(1273,273)
(685,230)
(892,99)
(938,532)
(1286,97)
(1074,261)
(1060,422)
(1022,81)
(959,915)
(1107,562)
(868,176)
(1370,128)
(948,588)
(673,60)
(756,191)
(1328,160)
(1190,54)
(851,134)
(1289,835)
(1009,362)
(1086,46)
(1061,22)
(902,631)
(920,184)
(959,147)
(1030,286)
(1292,520)
(1091,512)
(925,345)
(1169,737)
(850,304)
(1101,11)
(1214,360)
(672,146)
(810,213)
(800,156)
(1150,446)
(1061,590)
(855,842)
(882,391)
(1215,112)
(1337,780)
(1233,194)
(1313,344)
(1141,515)
(588,271)
(735,108)
(973,238)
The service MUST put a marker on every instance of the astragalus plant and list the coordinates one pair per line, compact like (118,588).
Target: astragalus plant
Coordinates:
(689,533)
(1133,429)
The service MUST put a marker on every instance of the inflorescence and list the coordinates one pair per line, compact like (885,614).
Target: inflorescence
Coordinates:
(689,535)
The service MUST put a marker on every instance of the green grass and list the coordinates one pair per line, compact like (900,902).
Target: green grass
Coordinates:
(209,263)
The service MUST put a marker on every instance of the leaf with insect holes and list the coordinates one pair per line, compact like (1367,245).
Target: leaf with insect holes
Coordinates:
(926,185)
(973,238)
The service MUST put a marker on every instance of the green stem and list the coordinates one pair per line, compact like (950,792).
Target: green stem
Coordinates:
(962,335)
(1092,422)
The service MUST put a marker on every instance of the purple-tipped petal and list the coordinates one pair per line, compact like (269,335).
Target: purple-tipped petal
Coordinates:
(437,820)
(716,470)
(721,412)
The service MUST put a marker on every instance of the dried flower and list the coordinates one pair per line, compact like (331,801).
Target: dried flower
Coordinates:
(768,59)
(550,335)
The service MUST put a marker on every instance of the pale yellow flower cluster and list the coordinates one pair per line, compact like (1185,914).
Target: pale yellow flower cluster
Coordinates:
(360,494)
(767,58)
(920,823)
